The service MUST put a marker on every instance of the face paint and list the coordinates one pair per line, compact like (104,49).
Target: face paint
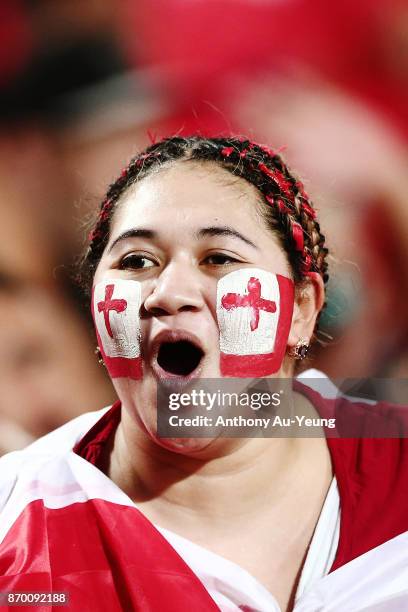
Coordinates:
(116,313)
(254,311)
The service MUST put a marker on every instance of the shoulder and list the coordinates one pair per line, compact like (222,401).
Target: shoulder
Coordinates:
(370,438)
(66,436)
(48,448)
(370,461)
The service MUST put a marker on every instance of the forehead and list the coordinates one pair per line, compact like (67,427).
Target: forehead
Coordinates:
(190,193)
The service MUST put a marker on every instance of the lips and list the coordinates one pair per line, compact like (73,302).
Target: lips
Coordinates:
(176,354)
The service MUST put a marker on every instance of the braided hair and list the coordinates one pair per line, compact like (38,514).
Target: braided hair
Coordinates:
(286,207)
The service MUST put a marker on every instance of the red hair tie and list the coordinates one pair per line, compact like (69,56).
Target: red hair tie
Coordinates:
(308,210)
(142,158)
(282,206)
(105,210)
(95,233)
(226,151)
(279,203)
(275,175)
(267,171)
(301,190)
(307,263)
(267,150)
(297,235)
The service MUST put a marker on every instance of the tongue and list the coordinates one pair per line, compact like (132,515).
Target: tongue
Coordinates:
(179,358)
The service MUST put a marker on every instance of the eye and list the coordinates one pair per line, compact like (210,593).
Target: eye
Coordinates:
(220,259)
(136,262)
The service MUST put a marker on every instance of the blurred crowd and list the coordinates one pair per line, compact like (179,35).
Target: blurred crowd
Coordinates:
(84,85)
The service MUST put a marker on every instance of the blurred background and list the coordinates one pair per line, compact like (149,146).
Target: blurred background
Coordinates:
(85,85)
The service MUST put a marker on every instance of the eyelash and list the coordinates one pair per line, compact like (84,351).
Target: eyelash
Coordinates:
(231,261)
(129,261)
(124,263)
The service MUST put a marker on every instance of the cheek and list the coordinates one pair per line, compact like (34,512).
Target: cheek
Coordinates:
(116,313)
(254,313)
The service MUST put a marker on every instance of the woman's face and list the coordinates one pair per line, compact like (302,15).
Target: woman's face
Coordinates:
(177,233)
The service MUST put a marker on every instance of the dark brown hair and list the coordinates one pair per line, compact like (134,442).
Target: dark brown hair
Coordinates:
(286,207)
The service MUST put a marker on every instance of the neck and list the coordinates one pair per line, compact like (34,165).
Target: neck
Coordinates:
(210,481)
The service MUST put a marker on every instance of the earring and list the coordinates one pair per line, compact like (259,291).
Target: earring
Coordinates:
(99,355)
(301,349)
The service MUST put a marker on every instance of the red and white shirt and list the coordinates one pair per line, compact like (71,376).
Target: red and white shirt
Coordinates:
(65,526)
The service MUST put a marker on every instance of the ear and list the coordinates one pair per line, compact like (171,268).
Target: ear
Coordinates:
(309,300)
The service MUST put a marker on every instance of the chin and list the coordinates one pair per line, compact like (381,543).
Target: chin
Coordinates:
(185,446)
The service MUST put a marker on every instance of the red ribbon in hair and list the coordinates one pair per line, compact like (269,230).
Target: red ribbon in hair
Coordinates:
(95,233)
(308,210)
(297,234)
(307,263)
(279,203)
(267,150)
(301,190)
(145,156)
(277,176)
(226,151)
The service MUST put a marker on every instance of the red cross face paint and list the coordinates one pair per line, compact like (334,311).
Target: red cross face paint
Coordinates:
(116,312)
(254,311)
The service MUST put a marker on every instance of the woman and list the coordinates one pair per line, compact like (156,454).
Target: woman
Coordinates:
(206,262)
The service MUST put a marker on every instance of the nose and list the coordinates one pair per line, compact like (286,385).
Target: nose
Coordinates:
(177,289)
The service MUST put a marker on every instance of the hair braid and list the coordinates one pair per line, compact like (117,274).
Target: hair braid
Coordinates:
(286,208)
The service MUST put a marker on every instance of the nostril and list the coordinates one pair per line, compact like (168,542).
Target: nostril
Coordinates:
(188,308)
(152,312)
(156,311)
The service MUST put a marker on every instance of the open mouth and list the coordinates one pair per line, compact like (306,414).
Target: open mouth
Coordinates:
(179,358)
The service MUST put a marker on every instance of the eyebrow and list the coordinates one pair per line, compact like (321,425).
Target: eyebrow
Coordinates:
(223,231)
(202,233)
(134,233)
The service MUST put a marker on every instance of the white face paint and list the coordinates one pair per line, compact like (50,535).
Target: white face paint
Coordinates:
(116,311)
(254,312)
